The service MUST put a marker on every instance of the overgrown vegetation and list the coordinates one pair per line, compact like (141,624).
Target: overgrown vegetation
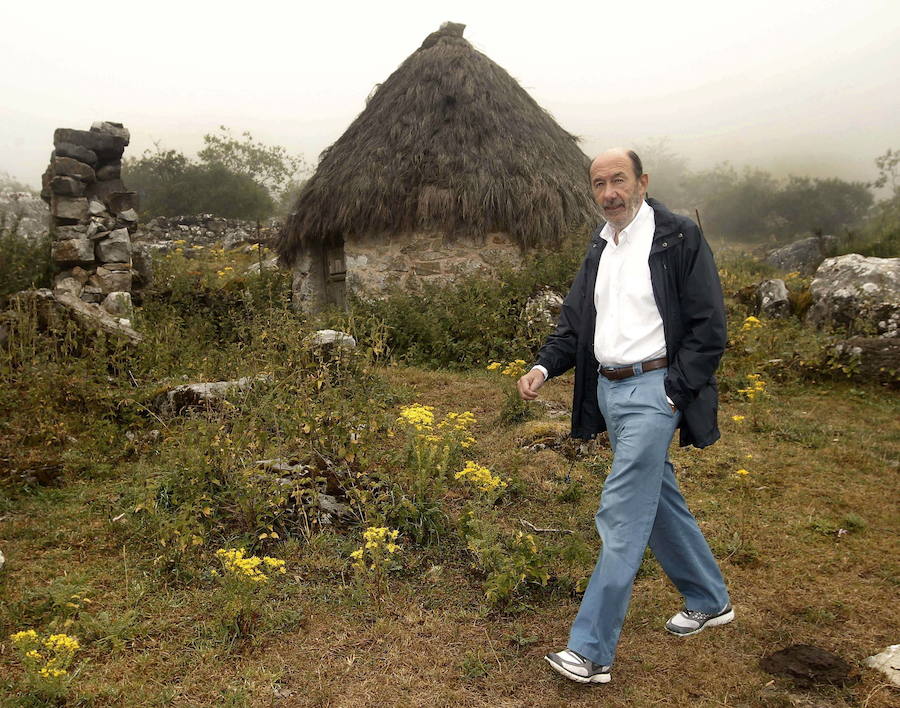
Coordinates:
(456,536)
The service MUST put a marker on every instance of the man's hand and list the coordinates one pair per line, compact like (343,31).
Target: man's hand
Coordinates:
(529,384)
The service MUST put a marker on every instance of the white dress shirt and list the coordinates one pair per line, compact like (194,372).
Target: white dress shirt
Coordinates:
(629,327)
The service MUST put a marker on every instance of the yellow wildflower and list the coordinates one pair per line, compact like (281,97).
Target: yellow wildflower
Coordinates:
(494,365)
(742,472)
(737,418)
(480,477)
(23,637)
(751,323)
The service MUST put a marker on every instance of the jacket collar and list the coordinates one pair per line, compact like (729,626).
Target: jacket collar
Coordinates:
(666,226)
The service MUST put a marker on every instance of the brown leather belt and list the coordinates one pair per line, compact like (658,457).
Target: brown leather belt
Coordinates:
(614,373)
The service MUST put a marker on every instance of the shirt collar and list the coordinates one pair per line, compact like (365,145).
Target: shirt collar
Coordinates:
(608,231)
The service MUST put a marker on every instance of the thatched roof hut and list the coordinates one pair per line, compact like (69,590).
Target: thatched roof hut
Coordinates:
(451,144)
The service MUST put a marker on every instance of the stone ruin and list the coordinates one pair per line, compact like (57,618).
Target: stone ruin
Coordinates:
(92,215)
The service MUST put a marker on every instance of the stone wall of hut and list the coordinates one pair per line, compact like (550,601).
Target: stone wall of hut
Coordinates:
(376,264)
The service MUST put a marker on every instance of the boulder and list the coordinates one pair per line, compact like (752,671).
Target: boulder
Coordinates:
(772,299)
(266,265)
(887,662)
(116,247)
(67,167)
(118,304)
(67,186)
(62,233)
(69,208)
(203,395)
(129,216)
(76,152)
(72,251)
(803,256)
(46,194)
(92,293)
(112,170)
(103,190)
(330,339)
(111,281)
(122,201)
(54,310)
(105,146)
(79,274)
(96,208)
(111,128)
(68,285)
(541,312)
(142,262)
(870,358)
(859,294)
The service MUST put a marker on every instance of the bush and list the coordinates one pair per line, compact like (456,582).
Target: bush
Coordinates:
(463,325)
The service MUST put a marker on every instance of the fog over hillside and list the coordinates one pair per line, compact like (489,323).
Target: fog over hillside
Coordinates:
(806,87)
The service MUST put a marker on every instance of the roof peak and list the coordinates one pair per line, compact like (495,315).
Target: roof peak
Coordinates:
(447,29)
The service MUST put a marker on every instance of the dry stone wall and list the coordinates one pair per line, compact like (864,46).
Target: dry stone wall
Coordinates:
(377,263)
(92,214)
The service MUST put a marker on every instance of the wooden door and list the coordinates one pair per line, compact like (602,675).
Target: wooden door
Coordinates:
(335,272)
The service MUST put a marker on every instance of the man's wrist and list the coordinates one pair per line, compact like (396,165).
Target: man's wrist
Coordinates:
(542,369)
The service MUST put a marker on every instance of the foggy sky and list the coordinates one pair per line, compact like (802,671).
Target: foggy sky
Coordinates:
(795,87)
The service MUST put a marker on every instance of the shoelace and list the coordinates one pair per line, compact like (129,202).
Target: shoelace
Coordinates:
(697,615)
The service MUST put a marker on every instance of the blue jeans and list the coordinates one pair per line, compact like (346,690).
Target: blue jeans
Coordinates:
(641,504)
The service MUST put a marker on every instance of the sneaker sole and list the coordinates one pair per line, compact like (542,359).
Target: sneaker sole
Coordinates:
(714,622)
(596,678)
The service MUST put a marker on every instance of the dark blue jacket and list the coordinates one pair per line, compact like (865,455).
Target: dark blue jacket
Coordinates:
(689,297)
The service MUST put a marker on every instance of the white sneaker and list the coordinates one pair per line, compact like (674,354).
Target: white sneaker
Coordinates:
(574,666)
(688,622)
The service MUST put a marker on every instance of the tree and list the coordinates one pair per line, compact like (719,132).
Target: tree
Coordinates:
(888,169)
(270,166)
(233,178)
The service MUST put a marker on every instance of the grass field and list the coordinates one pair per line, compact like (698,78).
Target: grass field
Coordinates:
(807,538)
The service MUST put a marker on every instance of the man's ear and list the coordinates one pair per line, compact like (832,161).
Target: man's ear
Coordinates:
(644,180)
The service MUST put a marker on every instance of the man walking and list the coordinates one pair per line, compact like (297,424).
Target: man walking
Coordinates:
(644,327)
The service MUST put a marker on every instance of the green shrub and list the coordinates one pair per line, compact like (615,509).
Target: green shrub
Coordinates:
(464,324)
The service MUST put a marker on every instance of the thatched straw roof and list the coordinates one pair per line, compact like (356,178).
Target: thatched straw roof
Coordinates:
(449,142)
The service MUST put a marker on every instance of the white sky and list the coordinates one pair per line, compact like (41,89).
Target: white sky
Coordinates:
(793,86)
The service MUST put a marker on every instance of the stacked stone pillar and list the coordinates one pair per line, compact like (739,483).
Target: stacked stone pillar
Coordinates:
(92,215)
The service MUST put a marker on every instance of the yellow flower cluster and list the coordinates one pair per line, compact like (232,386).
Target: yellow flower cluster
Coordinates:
(756,387)
(751,323)
(242,567)
(49,657)
(737,418)
(481,477)
(514,368)
(381,537)
(379,541)
(742,472)
(418,416)
(421,418)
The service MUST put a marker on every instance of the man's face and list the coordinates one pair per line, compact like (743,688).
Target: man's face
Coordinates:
(616,189)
